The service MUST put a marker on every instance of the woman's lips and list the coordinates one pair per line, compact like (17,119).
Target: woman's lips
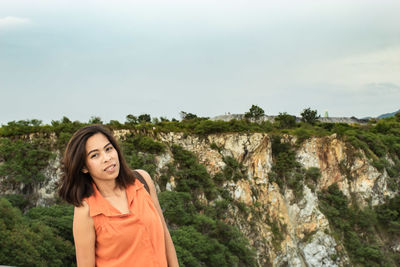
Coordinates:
(110,168)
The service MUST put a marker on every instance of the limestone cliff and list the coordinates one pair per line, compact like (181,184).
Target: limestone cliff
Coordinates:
(307,240)
(284,230)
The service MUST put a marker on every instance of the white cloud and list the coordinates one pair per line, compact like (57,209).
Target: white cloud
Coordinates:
(10,21)
(383,88)
(377,67)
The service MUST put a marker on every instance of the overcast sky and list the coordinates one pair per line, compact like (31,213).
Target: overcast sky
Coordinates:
(113,58)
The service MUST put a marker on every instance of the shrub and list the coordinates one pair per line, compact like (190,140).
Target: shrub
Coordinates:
(285,121)
(206,251)
(302,134)
(210,127)
(57,217)
(24,161)
(192,176)
(388,215)
(351,222)
(143,144)
(313,173)
(114,124)
(18,200)
(232,169)
(22,127)
(178,207)
(31,244)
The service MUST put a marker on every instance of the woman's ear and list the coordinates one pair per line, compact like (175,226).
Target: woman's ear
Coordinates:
(85,170)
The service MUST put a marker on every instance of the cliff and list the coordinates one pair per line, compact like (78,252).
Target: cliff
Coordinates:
(307,240)
(282,219)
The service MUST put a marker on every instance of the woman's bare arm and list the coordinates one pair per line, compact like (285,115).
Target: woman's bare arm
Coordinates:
(169,245)
(84,236)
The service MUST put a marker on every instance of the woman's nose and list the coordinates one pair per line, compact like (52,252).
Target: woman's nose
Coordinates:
(107,157)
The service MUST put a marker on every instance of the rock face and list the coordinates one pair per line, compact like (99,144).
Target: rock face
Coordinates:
(303,237)
(306,240)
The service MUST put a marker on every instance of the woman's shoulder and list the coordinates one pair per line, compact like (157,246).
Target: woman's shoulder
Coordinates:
(146,176)
(83,210)
(147,179)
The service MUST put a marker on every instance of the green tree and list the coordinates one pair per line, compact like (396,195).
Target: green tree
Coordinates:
(255,112)
(178,207)
(35,122)
(95,120)
(65,120)
(58,217)
(31,243)
(144,118)
(187,116)
(17,200)
(133,143)
(164,119)
(309,116)
(24,161)
(131,120)
(201,250)
(115,124)
(21,127)
(285,121)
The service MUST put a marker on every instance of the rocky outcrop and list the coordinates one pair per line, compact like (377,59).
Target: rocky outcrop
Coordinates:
(284,232)
(306,237)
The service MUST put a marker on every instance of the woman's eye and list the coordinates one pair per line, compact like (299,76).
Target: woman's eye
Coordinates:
(94,155)
(109,148)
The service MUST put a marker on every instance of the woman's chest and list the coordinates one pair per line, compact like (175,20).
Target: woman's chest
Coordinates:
(120,204)
(138,228)
(133,217)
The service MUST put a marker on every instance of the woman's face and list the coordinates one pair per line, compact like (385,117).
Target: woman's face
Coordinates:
(101,160)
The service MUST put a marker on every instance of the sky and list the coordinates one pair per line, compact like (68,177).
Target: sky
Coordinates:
(108,59)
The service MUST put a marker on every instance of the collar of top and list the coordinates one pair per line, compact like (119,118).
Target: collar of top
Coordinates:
(99,205)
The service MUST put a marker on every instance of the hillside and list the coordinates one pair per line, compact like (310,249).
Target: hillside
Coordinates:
(234,193)
(387,115)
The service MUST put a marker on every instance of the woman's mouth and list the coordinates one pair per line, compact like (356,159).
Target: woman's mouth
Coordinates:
(110,168)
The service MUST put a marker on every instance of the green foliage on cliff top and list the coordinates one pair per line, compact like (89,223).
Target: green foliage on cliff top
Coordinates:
(140,152)
(376,138)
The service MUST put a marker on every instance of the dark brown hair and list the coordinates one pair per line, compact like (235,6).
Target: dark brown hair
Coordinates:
(76,185)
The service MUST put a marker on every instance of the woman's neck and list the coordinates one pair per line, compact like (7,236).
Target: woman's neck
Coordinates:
(108,188)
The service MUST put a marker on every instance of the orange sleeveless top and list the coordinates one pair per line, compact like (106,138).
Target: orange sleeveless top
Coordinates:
(133,239)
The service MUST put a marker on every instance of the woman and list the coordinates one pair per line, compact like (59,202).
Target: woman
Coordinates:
(117,222)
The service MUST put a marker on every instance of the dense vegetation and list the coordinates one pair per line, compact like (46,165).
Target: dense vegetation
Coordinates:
(200,236)
(195,210)
(359,228)
(42,237)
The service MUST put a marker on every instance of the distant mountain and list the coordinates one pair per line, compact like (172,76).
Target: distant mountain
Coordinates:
(387,115)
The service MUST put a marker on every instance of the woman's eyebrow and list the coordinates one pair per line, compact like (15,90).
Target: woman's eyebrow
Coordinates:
(94,150)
